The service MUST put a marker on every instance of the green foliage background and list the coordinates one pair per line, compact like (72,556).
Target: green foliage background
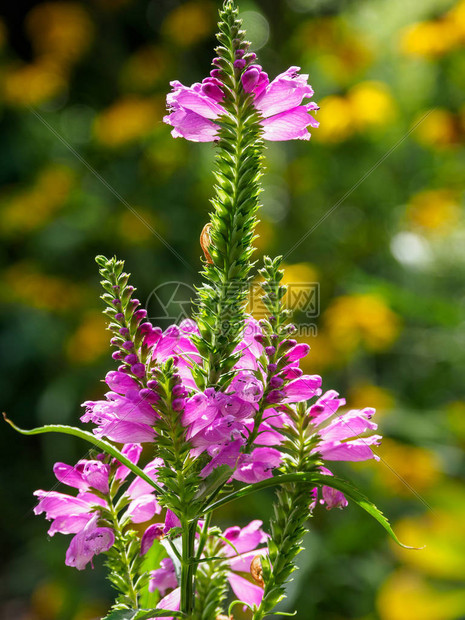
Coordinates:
(371,209)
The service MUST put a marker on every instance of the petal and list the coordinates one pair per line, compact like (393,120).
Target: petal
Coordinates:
(143,509)
(285,92)
(350,424)
(245,590)
(191,126)
(132,451)
(200,104)
(355,450)
(67,474)
(301,389)
(125,432)
(289,125)
(172,602)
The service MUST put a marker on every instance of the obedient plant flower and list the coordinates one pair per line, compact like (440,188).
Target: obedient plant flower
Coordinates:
(81,514)
(219,401)
(283,104)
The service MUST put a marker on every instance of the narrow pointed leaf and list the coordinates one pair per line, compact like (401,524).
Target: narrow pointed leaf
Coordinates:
(103,445)
(316,479)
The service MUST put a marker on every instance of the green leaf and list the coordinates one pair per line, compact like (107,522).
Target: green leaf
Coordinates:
(316,479)
(142,614)
(100,443)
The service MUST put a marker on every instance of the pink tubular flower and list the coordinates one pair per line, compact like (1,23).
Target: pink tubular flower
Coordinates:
(282,105)
(80,514)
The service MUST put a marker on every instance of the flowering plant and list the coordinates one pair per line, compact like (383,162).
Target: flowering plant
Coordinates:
(219,401)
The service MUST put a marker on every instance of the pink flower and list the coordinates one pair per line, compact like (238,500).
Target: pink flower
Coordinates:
(90,541)
(282,104)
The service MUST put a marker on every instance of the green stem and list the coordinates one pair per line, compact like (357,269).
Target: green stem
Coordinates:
(122,547)
(187,567)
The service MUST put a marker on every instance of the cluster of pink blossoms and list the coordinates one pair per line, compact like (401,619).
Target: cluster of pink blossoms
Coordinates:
(282,104)
(218,423)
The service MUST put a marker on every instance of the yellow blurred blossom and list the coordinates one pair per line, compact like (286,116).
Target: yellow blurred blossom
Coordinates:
(31,84)
(406,596)
(33,207)
(341,51)
(59,31)
(47,600)
(265,234)
(434,38)
(25,284)
(372,104)
(440,129)
(336,119)
(443,535)
(322,353)
(366,394)
(128,119)
(134,229)
(91,339)
(301,280)
(436,211)
(430,39)
(189,23)
(144,69)
(418,467)
(364,320)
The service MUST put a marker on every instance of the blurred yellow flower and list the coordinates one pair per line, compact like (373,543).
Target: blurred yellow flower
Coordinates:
(47,600)
(336,119)
(406,596)
(23,283)
(435,211)
(418,467)
(90,341)
(364,320)
(189,23)
(128,119)
(301,280)
(134,229)
(440,129)
(372,103)
(443,536)
(59,31)
(265,234)
(31,208)
(430,39)
(366,394)
(144,69)
(322,353)
(31,84)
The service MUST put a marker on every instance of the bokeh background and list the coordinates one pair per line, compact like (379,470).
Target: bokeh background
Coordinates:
(88,167)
